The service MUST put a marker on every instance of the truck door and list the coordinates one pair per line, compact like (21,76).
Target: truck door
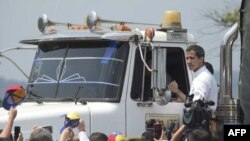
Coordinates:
(142,110)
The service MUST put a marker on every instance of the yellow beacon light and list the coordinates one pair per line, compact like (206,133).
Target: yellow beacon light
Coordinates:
(171,19)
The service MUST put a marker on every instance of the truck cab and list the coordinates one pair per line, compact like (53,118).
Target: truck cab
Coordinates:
(114,78)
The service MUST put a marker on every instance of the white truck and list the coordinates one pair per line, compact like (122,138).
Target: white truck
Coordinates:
(102,74)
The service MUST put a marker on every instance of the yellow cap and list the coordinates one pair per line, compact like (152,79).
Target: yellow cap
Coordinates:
(120,138)
(171,19)
(73,116)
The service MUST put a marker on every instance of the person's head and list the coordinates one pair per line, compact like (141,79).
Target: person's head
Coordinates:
(195,56)
(40,134)
(98,136)
(209,67)
(198,135)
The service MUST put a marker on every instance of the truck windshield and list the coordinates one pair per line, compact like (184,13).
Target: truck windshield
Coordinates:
(91,70)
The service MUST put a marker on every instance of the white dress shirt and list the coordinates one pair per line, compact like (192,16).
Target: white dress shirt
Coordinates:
(204,86)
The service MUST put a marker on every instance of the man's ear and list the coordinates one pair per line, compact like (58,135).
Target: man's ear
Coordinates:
(202,59)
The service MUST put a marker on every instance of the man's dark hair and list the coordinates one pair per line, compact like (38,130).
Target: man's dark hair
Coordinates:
(209,67)
(98,136)
(199,135)
(198,50)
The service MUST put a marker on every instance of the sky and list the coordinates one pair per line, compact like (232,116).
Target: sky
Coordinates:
(19,22)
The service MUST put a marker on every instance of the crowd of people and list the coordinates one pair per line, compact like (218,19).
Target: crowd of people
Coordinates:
(39,133)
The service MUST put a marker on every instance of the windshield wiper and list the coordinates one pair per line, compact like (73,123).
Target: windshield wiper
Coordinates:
(35,97)
(75,99)
(78,99)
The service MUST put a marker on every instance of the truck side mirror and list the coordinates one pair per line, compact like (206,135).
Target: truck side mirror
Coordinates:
(161,95)
(159,68)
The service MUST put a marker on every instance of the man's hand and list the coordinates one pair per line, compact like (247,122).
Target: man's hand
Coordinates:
(67,134)
(81,126)
(173,87)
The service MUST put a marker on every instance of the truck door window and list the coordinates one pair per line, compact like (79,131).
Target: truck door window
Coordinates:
(176,70)
(141,86)
(176,67)
(137,84)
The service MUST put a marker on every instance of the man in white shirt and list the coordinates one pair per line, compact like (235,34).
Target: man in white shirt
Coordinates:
(204,85)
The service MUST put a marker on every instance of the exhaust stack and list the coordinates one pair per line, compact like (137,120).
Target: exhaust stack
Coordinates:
(228,107)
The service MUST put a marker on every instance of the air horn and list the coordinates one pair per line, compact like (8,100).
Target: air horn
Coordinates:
(93,20)
(44,22)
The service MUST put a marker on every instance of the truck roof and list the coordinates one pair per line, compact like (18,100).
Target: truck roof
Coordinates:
(79,35)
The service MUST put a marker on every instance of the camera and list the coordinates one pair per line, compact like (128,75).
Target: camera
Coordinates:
(196,113)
